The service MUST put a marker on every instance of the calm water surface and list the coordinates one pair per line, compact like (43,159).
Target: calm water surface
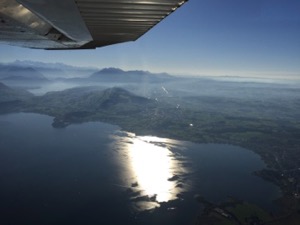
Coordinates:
(93,173)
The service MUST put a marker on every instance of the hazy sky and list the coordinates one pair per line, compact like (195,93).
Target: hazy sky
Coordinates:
(206,37)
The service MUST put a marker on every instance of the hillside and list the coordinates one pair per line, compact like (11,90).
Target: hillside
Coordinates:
(85,104)
(12,99)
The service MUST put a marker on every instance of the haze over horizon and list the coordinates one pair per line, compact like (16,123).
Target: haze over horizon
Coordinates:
(252,39)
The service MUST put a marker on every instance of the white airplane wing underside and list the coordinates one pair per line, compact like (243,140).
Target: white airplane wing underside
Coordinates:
(79,24)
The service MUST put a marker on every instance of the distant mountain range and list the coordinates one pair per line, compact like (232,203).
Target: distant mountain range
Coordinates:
(53,70)
(136,76)
(36,64)
(17,73)
(38,71)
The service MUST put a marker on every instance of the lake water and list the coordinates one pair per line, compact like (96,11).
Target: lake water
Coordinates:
(94,173)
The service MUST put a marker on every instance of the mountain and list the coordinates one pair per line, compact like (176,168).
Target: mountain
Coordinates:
(37,64)
(133,76)
(12,99)
(86,104)
(91,99)
(19,70)
(10,94)
(23,74)
(117,96)
(56,70)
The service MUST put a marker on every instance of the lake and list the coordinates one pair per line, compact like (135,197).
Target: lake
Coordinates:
(95,173)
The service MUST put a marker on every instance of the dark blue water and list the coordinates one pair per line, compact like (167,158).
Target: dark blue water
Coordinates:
(91,174)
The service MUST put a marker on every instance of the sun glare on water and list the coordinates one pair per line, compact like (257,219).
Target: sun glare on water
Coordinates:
(152,166)
(150,169)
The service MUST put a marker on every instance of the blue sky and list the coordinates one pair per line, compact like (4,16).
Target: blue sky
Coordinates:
(215,37)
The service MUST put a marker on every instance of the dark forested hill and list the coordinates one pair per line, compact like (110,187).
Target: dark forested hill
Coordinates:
(12,99)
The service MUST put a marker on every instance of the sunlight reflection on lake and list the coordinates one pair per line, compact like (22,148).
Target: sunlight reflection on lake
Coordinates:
(152,165)
(153,171)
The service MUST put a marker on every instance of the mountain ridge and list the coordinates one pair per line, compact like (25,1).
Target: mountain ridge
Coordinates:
(67,72)
(15,73)
(132,76)
(12,99)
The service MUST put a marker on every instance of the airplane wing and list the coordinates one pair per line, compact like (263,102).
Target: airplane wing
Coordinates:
(79,24)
